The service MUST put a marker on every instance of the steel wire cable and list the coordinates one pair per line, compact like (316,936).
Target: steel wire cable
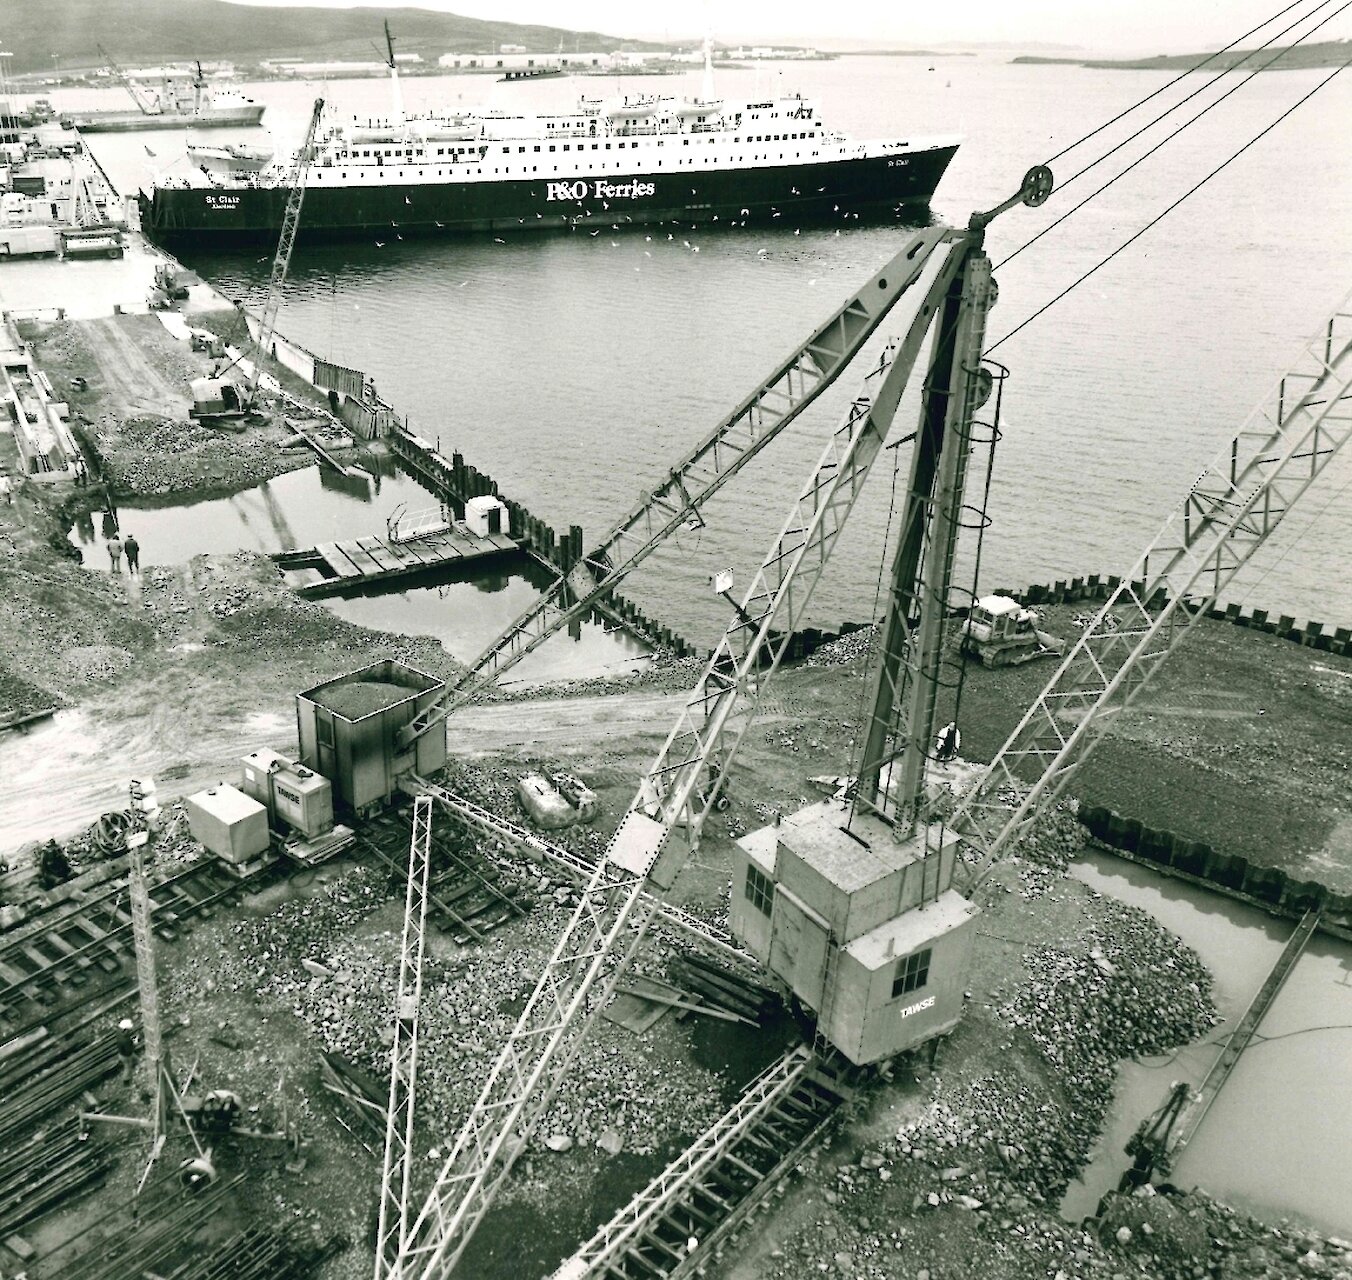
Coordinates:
(1281,13)
(1168,209)
(1171,136)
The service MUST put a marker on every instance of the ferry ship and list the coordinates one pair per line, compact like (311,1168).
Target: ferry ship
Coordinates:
(642,160)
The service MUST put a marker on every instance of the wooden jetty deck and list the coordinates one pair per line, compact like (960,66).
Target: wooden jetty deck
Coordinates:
(333,568)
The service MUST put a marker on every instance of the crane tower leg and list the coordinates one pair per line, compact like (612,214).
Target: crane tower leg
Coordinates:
(392,1229)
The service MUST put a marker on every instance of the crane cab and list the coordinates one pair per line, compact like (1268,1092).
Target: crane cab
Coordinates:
(216,400)
(864,930)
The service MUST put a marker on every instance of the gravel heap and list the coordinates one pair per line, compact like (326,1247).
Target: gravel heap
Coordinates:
(639,1093)
(987,1229)
(848,649)
(356,698)
(1139,991)
(152,455)
(1179,1236)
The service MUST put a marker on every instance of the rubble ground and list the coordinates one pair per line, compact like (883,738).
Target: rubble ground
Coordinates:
(132,413)
(931,1177)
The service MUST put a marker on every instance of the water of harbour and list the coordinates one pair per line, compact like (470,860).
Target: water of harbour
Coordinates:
(466,611)
(574,368)
(1277,1139)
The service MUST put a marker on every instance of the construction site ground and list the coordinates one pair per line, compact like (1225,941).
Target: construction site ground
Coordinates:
(1244,741)
(132,411)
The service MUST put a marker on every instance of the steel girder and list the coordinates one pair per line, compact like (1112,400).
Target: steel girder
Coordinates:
(573,865)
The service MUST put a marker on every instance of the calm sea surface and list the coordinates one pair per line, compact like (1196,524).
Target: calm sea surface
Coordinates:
(574,368)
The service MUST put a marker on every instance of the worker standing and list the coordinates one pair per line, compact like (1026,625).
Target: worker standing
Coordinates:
(133,550)
(114,545)
(81,472)
(7,488)
(126,1047)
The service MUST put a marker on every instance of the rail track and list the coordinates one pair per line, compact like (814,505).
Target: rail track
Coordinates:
(711,1189)
(468,896)
(79,949)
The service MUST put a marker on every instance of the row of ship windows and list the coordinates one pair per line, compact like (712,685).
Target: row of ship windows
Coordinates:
(535,168)
(411,152)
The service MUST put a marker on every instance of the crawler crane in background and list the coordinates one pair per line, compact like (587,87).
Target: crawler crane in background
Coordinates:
(215,391)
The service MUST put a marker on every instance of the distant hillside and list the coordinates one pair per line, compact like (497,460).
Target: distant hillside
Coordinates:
(150,31)
(1330,53)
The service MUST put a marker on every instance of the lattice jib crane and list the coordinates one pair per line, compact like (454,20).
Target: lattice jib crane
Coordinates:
(281,262)
(145,102)
(646,853)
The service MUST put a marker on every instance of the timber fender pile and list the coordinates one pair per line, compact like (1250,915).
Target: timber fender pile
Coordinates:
(1313,635)
(1269,887)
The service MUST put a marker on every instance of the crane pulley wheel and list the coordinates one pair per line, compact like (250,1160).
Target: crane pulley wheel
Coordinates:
(1037,186)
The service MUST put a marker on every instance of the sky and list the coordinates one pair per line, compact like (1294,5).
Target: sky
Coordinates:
(1125,26)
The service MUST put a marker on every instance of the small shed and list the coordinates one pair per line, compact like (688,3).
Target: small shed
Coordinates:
(485,515)
(350,729)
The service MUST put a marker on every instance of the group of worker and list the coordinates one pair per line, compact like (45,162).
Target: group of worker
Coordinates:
(116,545)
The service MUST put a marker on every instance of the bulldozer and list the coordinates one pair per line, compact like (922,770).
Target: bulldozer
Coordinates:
(1002,633)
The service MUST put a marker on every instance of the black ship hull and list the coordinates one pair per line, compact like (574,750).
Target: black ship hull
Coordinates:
(831,190)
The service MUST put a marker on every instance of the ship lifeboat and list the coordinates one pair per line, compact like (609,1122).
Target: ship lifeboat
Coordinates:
(687,109)
(229,158)
(627,112)
(447,130)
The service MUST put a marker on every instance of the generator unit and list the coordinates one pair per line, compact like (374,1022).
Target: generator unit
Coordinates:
(864,930)
(229,824)
(294,795)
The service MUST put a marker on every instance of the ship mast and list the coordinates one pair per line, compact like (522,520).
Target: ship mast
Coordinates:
(708,90)
(395,93)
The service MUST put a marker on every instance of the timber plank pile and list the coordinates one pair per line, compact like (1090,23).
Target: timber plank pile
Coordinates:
(332,568)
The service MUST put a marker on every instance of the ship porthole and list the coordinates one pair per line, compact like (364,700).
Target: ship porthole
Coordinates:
(882,284)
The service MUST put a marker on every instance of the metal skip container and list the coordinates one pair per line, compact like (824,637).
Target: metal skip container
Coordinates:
(348,729)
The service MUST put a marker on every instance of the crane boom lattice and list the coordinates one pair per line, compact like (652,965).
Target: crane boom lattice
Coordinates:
(286,242)
(641,861)
(392,1231)
(697,477)
(1230,510)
